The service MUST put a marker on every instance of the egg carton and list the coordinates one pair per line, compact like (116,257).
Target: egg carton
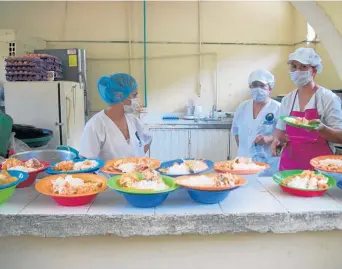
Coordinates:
(24,77)
(24,72)
(25,68)
(50,58)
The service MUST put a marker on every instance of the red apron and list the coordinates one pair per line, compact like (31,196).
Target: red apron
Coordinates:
(302,145)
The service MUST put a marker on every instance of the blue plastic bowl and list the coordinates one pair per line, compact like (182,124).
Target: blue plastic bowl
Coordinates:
(208,197)
(145,200)
(337,176)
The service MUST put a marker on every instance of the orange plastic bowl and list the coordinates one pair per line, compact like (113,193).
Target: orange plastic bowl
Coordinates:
(104,169)
(179,181)
(43,186)
(218,168)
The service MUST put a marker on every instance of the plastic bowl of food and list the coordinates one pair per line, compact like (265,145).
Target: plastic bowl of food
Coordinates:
(31,175)
(97,165)
(143,198)
(129,165)
(200,167)
(334,169)
(248,167)
(280,177)
(44,186)
(201,190)
(7,189)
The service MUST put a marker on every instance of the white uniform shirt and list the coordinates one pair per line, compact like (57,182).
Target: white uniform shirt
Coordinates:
(328,106)
(247,128)
(102,139)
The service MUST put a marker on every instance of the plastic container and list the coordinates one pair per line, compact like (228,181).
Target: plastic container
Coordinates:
(32,176)
(141,198)
(168,164)
(43,186)
(208,197)
(279,177)
(6,191)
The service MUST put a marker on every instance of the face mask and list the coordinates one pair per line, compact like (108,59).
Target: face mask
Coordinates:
(301,78)
(134,106)
(260,94)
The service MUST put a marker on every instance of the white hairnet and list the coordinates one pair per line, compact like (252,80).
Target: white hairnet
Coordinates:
(306,56)
(262,76)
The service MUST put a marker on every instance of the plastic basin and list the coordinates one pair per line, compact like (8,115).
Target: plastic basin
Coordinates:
(5,194)
(303,193)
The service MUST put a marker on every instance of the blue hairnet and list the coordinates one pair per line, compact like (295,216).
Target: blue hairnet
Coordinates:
(116,88)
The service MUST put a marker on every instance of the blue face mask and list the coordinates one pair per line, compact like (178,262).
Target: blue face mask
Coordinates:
(260,94)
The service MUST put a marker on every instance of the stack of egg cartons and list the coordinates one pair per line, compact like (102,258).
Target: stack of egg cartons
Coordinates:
(53,65)
(26,68)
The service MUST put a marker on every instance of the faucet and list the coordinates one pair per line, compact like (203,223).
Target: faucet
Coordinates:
(212,113)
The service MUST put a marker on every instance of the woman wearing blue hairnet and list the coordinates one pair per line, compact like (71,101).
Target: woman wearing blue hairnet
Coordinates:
(255,121)
(115,132)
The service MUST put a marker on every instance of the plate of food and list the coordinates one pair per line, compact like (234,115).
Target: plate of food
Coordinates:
(32,167)
(304,183)
(75,166)
(210,188)
(330,165)
(240,166)
(299,122)
(129,165)
(72,190)
(146,189)
(181,167)
(8,181)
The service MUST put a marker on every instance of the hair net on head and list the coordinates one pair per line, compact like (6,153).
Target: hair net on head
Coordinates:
(306,56)
(263,76)
(116,88)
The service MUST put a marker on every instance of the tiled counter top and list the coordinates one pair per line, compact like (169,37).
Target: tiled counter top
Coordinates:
(260,206)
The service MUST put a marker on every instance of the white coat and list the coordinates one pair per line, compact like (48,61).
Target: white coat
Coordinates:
(102,139)
(247,129)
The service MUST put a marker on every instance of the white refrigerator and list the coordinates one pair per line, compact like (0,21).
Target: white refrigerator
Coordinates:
(57,106)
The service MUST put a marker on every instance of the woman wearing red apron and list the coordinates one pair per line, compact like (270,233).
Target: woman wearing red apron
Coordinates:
(314,103)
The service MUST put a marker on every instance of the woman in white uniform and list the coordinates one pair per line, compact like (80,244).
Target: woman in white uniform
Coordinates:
(255,121)
(113,133)
(313,102)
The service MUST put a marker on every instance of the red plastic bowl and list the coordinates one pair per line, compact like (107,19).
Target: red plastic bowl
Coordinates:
(33,175)
(74,201)
(303,193)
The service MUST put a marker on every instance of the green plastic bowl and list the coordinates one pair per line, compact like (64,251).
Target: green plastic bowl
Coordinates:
(7,193)
(279,177)
(113,183)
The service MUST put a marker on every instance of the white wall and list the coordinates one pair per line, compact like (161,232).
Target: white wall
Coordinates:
(171,81)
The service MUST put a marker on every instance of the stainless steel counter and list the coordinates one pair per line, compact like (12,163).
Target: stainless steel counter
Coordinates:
(158,123)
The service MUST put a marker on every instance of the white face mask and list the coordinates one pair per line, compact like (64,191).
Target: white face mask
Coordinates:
(133,107)
(301,78)
(260,94)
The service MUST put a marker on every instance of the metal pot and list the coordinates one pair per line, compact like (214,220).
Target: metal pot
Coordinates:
(47,155)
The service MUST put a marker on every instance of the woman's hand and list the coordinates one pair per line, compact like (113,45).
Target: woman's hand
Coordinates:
(319,126)
(275,143)
(263,140)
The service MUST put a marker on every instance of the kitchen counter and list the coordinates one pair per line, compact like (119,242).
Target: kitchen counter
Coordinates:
(155,121)
(257,226)
(259,207)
